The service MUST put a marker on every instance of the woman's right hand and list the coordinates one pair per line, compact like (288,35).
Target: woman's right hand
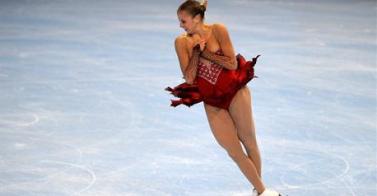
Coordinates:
(198,40)
(202,44)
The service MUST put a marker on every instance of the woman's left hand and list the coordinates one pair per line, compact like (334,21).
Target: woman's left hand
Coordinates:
(198,40)
(202,44)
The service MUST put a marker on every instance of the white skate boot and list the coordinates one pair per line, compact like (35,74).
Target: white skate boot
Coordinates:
(269,192)
(255,192)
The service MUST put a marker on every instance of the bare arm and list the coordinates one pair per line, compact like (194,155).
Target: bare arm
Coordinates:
(188,65)
(229,60)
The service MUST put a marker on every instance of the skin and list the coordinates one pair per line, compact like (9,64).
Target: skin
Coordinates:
(232,128)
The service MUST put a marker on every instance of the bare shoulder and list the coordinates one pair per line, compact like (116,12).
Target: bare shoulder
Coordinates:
(219,28)
(219,25)
(182,41)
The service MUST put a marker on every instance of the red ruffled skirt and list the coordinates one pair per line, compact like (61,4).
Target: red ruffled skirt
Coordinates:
(214,85)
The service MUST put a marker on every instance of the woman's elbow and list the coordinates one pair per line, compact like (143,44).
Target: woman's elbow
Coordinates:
(188,79)
(234,65)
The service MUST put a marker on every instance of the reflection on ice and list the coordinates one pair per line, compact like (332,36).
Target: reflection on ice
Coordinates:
(83,108)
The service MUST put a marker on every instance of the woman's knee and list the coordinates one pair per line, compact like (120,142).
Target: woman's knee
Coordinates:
(251,148)
(236,155)
(249,142)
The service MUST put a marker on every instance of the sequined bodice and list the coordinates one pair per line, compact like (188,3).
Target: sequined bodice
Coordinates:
(209,70)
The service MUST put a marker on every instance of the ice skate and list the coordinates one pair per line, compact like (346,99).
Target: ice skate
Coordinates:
(270,192)
(255,192)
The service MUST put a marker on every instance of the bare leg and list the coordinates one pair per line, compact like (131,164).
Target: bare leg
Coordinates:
(241,113)
(224,130)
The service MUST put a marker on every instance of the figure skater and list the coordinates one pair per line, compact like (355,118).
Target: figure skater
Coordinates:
(214,75)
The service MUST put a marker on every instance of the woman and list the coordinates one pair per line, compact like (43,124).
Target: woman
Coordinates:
(214,75)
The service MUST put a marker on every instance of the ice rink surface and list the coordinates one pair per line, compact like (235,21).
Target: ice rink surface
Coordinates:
(83,110)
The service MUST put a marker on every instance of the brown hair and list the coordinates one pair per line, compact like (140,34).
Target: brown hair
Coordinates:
(193,8)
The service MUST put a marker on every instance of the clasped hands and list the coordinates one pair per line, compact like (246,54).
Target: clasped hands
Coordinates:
(201,41)
(191,70)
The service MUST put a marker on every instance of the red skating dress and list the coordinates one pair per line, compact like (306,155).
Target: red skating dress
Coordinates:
(214,84)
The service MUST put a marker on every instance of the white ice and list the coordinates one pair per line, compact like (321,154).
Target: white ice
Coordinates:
(83,110)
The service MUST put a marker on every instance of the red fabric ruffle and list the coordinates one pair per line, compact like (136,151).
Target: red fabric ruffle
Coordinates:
(189,93)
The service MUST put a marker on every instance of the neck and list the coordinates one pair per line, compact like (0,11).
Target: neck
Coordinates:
(201,30)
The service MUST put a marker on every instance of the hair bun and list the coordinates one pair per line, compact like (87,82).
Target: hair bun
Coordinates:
(194,7)
(203,7)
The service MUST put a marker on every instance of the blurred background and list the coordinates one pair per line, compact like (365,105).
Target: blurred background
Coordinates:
(83,110)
